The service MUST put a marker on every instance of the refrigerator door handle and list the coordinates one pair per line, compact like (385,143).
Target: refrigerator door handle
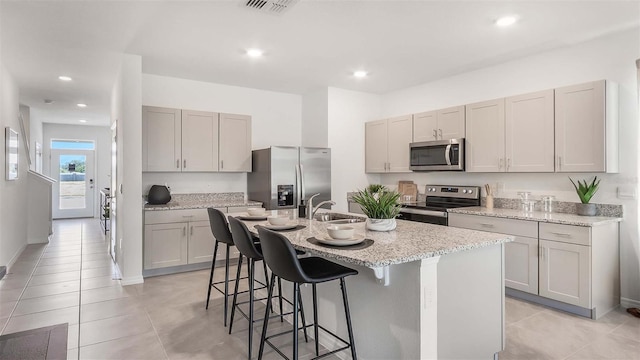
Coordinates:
(298,194)
(302,191)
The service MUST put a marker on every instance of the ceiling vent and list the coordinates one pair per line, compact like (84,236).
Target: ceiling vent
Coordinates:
(271,6)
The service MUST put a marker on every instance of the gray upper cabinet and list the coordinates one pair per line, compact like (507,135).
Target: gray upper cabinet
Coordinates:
(441,124)
(387,144)
(586,127)
(161,139)
(235,143)
(485,137)
(199,141)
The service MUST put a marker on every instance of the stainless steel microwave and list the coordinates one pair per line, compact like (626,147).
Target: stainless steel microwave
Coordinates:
(447,155)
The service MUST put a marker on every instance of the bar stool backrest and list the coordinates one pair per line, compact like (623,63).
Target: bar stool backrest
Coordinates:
(219,226)
(243,239)
(280,256)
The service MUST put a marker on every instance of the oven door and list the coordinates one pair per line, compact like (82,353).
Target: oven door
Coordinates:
(437,155)
(424,216)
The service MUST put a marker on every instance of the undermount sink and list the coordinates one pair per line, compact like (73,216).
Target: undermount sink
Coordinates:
(337,218)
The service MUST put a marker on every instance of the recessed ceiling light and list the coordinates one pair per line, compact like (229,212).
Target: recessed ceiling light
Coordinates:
(255,53)
(64,78)
(83,121)
(82,105)
(506,21)
(360,73)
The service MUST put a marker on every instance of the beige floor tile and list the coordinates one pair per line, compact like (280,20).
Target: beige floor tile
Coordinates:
(73,354)
(46,303)
(60,253)
(6,308)
(93,264)
(54,269)
(99,282)
(517,310)
(73,335)
(522,343)
(54,278)
(40,319)
(51,289)
(609,347)
(629,329)
(60,260)
(143,346)
(98,272)
(97,256)
(23,267)
(118,327)
(94,250)
(10,282)
(105,293)
(111,308)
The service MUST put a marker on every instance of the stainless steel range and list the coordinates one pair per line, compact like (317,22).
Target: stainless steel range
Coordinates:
(440,198)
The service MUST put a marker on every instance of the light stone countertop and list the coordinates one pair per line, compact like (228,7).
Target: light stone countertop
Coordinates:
(555,218)
(203,201)
(410,241)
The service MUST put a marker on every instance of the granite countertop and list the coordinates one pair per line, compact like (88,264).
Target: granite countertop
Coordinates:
(410,241)
(555,218)
(203,201)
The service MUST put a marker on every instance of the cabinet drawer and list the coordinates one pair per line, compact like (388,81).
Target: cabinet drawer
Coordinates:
(172,216)
(238,209)
(566,233)
(497,225)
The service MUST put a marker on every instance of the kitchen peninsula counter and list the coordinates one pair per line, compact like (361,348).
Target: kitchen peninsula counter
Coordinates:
(553,218)
(422,291)
(203,201)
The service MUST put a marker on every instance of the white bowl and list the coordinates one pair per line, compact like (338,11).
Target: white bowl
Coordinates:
(340,232)
(278,219)
(256,211)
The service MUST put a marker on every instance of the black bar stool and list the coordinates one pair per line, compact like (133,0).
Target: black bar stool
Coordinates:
(243,240)
(220,230)
(281,258)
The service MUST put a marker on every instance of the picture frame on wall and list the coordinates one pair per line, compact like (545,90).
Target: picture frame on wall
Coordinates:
(11,153)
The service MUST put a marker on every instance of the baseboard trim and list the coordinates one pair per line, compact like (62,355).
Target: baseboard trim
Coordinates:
(577,310)
(132,280)
(3,270)
(629,303)
(16,256)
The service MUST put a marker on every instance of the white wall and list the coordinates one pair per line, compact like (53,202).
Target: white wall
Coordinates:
(348,111)
(314,119)
(37,135)
(101,135)
(13,194)
(126,109)
(275,116)
(612,58)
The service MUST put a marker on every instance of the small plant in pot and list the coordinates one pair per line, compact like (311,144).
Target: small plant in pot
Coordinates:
(585,193)
(381,205)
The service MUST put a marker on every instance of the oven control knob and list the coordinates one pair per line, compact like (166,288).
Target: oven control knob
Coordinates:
(464,191)
(470,191)
(433,189)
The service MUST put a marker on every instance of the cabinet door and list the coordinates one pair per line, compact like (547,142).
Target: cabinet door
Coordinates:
(580,127)
(451,123)
(521,264)
(400,134)
(165,245)
(201,242)
(199,141)
(425,126)
(565,272)
(529,132)
(485,136)
(235,143)
(376,146)
(161,139)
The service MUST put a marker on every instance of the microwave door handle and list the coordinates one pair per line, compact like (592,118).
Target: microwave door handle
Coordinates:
(447,154)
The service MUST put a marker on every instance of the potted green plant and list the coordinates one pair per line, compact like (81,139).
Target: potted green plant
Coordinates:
(381,205)
(585,193)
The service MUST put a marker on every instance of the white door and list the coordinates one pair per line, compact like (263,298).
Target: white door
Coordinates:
(74,193)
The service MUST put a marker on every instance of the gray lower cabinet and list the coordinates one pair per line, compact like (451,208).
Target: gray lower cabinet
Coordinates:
(180,237)
(574,265)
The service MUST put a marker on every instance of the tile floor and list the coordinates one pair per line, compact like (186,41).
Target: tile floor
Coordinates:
(71,280)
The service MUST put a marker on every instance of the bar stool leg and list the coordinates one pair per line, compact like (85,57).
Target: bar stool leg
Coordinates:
(266,275)
(280,297)
(213,266)
(296,289)
(235,294)
(226,286)
(304,322)
(266,315)
(315,318)
(252,275)
(348,315)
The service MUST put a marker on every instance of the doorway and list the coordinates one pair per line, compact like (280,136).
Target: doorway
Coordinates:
(72,165)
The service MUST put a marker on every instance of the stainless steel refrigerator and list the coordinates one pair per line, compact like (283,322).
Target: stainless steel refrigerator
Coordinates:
(283,175)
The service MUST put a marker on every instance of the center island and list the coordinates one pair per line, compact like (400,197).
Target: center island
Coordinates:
(423,291)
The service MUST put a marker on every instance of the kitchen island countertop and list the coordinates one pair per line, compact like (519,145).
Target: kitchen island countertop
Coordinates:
(554,218)
(203,201)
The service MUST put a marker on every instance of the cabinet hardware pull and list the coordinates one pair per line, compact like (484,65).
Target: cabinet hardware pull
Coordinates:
(187,216)
(191,231)
(184,163)
(487,225)
(178,164)
(559,162)
(561,234)
(508,163)
(541,252)
(435,134)
(440,130)
(221,164)
(499,163)
(184,231)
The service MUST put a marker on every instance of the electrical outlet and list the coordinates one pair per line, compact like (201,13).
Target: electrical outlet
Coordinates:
(499,187)
(627,192)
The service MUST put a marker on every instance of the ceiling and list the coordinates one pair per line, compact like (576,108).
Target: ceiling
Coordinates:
(312,45)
